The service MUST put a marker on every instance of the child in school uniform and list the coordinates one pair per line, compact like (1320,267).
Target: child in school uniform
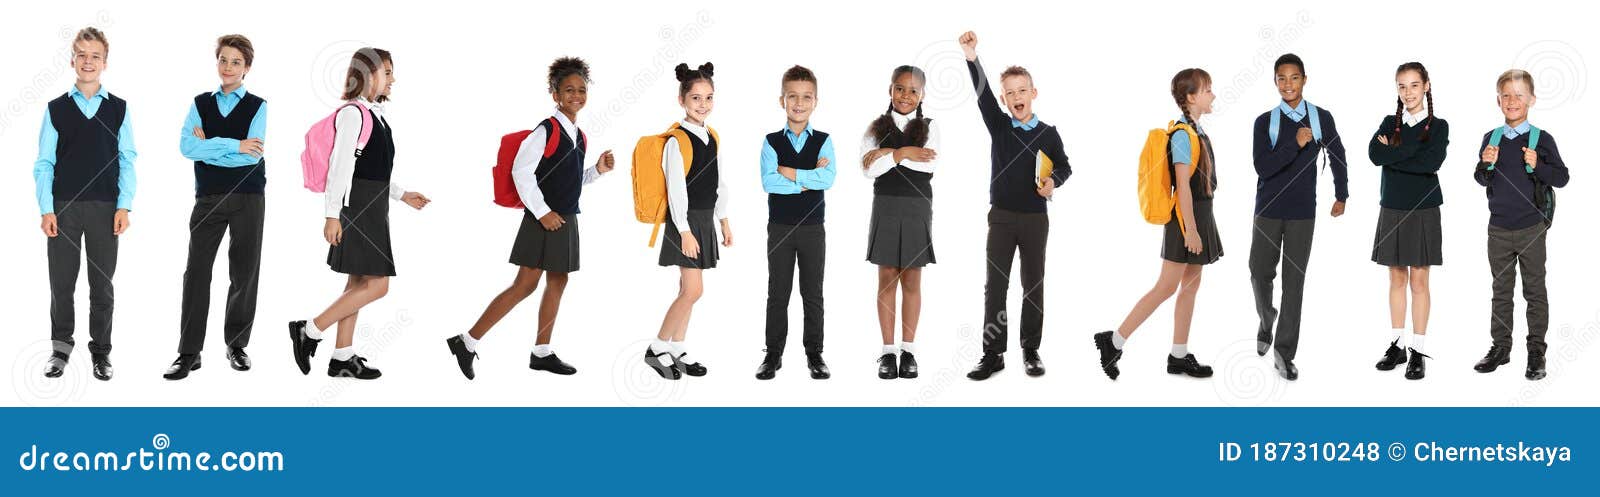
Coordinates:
(1519,165)
(898,152)
(1289,139)
(547,241)
(84,182)
(1019,144)
(697,203)
(223,134)
(1190,240)
(357,216)
(1410,147)
(797,166)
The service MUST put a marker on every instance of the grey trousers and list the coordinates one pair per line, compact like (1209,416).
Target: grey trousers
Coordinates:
(241,216)
(84,229)
(1290,239)
(1510,252)
(787,246)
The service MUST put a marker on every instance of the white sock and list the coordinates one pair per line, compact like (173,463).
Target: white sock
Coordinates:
(311,330)
(472,343)
(1180,350)
(908,347)
(682,351)
(1416,341)
(660,346)
(542,350)
(1117,341)
(344,353)
(1396,335)
(891,350)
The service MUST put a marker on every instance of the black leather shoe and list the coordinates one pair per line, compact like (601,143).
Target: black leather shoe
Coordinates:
(1109,354)
(464,357)
(237,359)
(908,365)
(688,368)
(1286,369)
(1416,368)
(1393,357)
(819,370)
(666,368)
(552,364)
(356,368)
(102,366)
(886,367)
(769,367)
(303,346)
(1264,333)
(1497,356)
(987,366)
(1187,365)
(180,368)
(1536,366)
(1031,364)
(56,365)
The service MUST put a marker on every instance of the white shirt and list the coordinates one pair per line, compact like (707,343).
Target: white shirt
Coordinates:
(1412,119)
(527,162)
(678,185)
(885,163)
(342,164)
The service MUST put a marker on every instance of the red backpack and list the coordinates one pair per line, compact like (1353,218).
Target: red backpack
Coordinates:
(505,190)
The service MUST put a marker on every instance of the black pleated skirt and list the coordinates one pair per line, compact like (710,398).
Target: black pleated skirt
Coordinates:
(554,251)
(901,232)
(704,228)
(1172,248)
(365,249)
(1408,238)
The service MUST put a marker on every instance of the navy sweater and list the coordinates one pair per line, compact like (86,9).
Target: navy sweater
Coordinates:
(1014,153)
(1286,187)
(1510,190)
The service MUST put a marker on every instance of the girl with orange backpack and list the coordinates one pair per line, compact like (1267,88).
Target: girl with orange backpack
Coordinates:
(544,169)
(1191,240)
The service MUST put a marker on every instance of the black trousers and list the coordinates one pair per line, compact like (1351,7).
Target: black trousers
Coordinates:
(1292,240)
(84,231)
(1011,232)
(241,216)
(787,246)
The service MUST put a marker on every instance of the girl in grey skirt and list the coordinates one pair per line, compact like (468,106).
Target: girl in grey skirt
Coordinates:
(697,200)
(898,153)
(1410,147)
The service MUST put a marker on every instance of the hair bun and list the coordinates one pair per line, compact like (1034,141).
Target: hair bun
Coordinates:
(683,72)
(705,69)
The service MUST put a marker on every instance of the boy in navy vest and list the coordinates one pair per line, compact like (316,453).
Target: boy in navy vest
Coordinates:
(1520,167)
(84,182)
(1020,147)
(223,135)
(1288,141)
(797,165)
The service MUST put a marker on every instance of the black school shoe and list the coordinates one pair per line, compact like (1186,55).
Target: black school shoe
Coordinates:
(987,366)
(356,368)
(688,369)
(1393,357)
(550,363)
(1536,369)
(237,359)
(56,366)
(303,346)
(1031,363)
(666,369)
(886,367)
(1187,365)
(769,367)
(1417,368)
(180,368)
(908,365)
(464,357)
(102,366)
(1109,354)
(1497,356)
(817,368)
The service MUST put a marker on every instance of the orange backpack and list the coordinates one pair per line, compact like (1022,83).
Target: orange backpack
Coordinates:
(1158,197)
(650,182)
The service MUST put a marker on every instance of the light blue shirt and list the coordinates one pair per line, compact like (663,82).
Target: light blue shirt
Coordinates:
(808,179)
(1180,146)
(44,168)
(219,151)
(1026,126)
(1295,114)
(1512,133)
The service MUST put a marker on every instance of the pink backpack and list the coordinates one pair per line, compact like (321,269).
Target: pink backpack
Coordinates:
(319,147)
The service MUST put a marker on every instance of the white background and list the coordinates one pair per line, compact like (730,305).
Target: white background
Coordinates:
(470,72)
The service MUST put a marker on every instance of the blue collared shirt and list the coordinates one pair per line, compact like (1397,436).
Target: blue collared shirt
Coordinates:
(1033,122)
(1520,130)
(44,168)
(219,151)
(1180,147)
(809,179)
(1295,114)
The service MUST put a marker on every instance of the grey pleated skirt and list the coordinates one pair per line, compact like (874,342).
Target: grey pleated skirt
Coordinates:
(901,232)
(704,227)
(537,248)
(1172,247)
(1408,238)
(364,250)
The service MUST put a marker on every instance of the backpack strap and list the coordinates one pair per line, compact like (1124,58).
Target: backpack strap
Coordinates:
(1272,127)
(1316,122)
(1274,124)
(553,140)
(1533,142)
(1494,141)
(366,125)
(1194,160)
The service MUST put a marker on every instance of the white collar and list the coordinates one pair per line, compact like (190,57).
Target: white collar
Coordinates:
(698,130)
(900,120)
(376,108)
(566,124)
(1413,119)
